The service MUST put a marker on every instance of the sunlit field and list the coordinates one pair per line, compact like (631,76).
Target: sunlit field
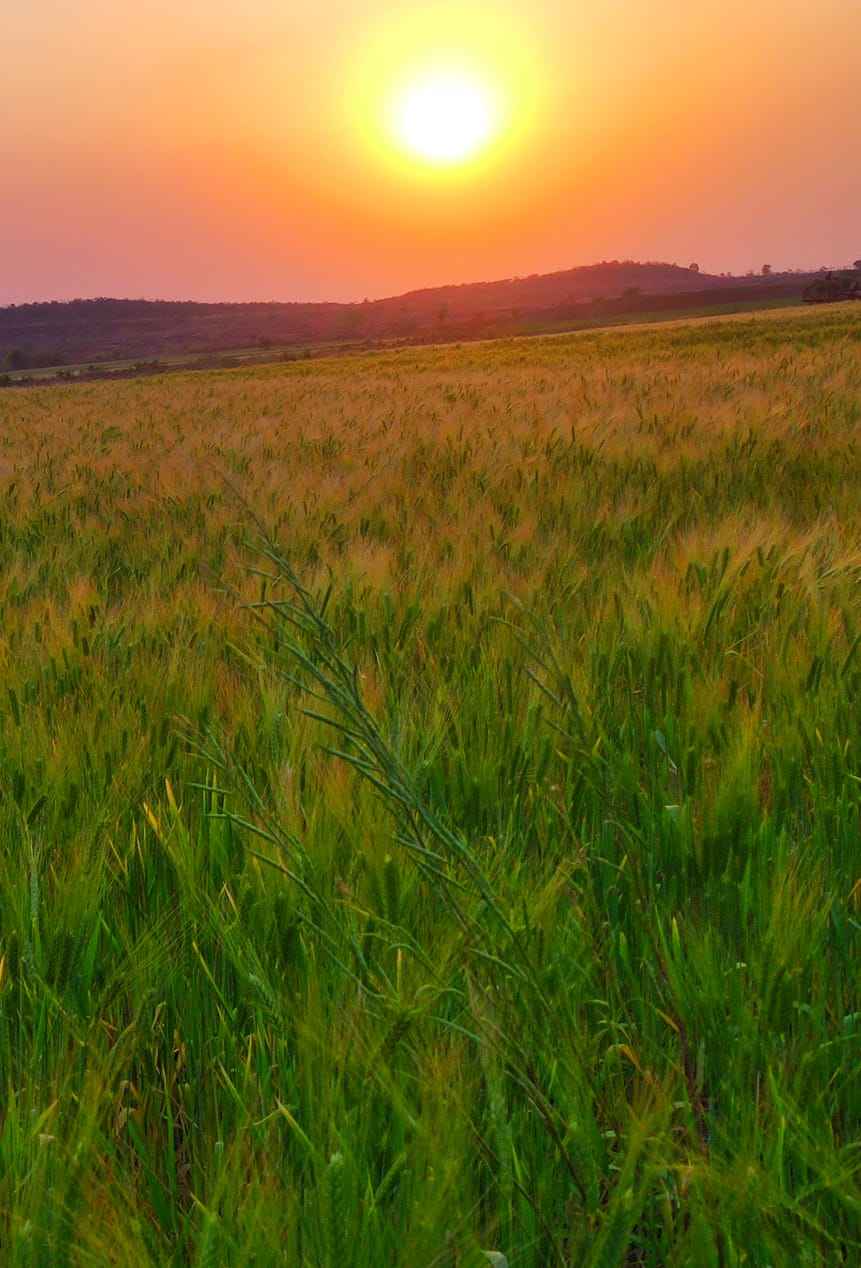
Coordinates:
(429,807)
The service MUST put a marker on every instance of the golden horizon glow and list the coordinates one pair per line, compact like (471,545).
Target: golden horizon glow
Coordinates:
(445,116)
(269,161)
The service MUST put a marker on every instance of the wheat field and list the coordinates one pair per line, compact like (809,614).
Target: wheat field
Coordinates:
(429,807)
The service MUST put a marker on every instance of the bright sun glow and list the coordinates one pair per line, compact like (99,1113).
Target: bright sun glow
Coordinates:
(445,92)
(445,116)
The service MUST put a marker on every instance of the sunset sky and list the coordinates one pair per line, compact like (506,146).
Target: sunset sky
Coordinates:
(272,149)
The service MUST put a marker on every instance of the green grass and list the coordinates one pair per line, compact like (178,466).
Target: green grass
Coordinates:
(429,807)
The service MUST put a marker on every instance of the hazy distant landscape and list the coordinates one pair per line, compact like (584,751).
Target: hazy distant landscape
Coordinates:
(104,330)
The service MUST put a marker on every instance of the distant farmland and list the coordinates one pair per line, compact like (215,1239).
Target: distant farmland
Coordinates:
(35,336)
(430,788)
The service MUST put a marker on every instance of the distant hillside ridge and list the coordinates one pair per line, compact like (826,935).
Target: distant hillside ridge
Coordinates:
(94,330)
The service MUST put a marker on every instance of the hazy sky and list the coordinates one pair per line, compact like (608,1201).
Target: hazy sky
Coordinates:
(218,149)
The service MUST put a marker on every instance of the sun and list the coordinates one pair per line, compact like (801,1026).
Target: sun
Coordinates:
(445,116)
(445,93)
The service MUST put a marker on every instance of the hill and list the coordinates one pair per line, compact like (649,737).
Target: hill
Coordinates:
(94,330)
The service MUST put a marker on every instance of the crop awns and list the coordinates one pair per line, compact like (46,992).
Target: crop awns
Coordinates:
(429,807)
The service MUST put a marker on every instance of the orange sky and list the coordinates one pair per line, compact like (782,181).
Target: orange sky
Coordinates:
(224,150)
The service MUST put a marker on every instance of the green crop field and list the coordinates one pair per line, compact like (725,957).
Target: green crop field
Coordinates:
(430,796)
